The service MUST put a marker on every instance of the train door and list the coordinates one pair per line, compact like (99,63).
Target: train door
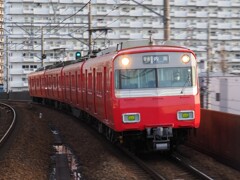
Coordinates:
(94,90)
(105,92)
(76,91)
(85,97)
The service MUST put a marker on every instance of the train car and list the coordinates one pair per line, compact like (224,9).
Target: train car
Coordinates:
(72,85)
(36,83)
(144,96)
(53,85)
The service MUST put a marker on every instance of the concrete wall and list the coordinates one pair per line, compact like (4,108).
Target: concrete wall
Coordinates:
(15,96)
(218,136)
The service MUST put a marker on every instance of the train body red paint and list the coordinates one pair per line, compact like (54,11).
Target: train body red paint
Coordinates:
(147,93)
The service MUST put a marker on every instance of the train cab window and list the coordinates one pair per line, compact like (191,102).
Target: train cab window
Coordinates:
(175,77)
(135,78)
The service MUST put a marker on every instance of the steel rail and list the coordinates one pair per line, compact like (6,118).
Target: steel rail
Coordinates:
(190,167)
(150,171)
(11,126)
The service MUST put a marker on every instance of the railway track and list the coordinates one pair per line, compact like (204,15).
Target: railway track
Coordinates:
(7,121)
(176,163)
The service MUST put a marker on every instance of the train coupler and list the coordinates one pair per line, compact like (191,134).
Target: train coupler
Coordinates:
(161,137)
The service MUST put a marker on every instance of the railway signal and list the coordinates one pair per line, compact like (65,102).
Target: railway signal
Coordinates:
(78,55)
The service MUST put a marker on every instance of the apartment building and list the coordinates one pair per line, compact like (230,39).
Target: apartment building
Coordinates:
(60,28)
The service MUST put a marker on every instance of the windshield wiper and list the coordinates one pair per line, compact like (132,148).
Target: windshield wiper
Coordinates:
(186,83)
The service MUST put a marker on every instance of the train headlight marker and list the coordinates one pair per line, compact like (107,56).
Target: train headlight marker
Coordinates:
(185,58)
(125,61)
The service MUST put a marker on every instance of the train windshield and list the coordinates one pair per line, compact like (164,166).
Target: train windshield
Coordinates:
(154,78)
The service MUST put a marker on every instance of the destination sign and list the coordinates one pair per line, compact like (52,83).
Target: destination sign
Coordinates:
(155,59)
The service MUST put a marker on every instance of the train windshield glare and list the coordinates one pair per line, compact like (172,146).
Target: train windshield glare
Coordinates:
(154,78)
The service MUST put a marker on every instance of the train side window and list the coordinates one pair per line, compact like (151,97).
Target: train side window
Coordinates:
(89,81)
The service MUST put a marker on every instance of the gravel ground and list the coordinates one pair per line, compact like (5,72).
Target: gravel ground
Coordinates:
(28,156)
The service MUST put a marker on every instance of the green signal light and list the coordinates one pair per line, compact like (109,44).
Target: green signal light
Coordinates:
(78,55)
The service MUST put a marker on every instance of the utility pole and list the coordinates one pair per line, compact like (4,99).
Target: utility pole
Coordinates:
(166,17)
(42,47)
(166,20)
(208,63)
(89,29)
(7,70)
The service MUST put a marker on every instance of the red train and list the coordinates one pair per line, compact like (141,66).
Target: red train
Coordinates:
(143,96)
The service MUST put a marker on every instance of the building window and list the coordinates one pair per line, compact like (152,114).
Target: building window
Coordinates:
(237,56)
(217,96)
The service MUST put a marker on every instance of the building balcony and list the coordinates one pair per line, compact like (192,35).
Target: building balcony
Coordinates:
(157,36)
(125,24)
(114,24)
(65,1)
(180,14)
(15,11)
(235,37)
(40,11)
(146,2)
(202,25)
(15,0)
(124,36)
(235,26)
(114,13)
(101,1)
(15,59)
(201,14)
(113,36)
(28,59)
(15,84)
(147,13)
(101,13)
(66,11)
(233,60)
(27,71)
(15,71)
(136,36)
(136,13)
(224,14)
(180,3)
(147,25)
(101,24)
(224,25)
(80,1)
(180,25)
(25,84)
(201,36)
(157,25)
(224,37)
(27,11)
(224,3)
(44,1)
(157,2)
(191,14)
(235,4)
(213,14)
(136,24)
(202,3)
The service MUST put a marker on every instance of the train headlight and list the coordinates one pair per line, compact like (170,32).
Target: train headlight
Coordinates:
(131,117)
(185,115)
(125,61)
(185,58)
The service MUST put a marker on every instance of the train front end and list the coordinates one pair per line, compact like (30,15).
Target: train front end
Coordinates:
(156,95)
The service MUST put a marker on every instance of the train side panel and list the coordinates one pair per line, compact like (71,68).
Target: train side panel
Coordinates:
(36,84)
(97,89)
(72,84)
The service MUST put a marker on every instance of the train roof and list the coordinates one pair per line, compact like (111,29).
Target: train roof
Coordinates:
(144,45)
